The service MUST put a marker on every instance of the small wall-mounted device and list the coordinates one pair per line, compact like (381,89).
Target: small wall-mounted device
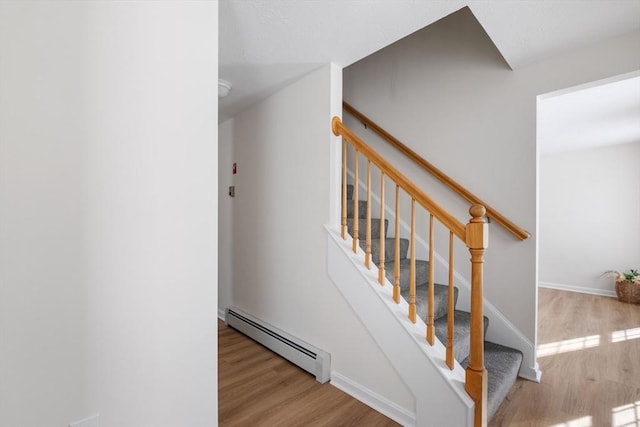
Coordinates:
(232,191)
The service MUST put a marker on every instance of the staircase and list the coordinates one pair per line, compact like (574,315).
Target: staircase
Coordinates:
(502,363)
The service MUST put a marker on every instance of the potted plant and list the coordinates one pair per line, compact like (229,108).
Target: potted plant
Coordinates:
(627,285)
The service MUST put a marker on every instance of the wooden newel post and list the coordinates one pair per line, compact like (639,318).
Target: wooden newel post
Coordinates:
(477,240)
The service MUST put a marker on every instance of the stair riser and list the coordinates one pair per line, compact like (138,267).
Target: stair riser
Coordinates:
(362,209)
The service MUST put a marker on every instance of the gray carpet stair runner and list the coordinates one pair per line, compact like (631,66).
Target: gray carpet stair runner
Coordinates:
(502,363)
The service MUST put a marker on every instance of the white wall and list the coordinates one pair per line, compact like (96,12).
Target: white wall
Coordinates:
(589,217)
(283,148)
(225,215)
(42,259)
(446,92)
(108,213)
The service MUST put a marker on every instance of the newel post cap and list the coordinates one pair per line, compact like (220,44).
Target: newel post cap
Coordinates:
(477,230)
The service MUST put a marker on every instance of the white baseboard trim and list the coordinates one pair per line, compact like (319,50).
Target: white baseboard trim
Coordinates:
(580,289)
(221,314)
(531,373)
(373,400)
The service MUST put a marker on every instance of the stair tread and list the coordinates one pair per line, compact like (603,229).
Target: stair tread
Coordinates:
(362,222)
(461,332)
(502,364)
(389,249)
(441,297)
(422,272)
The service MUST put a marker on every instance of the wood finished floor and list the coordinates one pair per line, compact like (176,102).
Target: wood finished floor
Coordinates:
(589,355)
(590,362)
(258,388)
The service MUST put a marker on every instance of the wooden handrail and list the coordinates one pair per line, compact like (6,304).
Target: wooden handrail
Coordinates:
(437,173)
(425,201)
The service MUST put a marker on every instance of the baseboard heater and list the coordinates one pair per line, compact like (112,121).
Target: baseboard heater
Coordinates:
(298,352)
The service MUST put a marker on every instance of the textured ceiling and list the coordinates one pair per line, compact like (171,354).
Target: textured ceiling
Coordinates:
(265,44)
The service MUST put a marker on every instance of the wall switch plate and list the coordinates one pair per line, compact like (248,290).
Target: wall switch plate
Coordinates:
(91,421)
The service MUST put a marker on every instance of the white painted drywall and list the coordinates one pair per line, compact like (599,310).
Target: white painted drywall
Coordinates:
(42,248)
(446,92)
(283,149)
(225,215)
(108,213)
(589,217)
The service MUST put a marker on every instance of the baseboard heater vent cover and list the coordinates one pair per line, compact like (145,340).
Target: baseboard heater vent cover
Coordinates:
(306,356)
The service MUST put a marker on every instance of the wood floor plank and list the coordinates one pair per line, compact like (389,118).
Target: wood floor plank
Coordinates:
(258,388)
(596,373)
(593,380)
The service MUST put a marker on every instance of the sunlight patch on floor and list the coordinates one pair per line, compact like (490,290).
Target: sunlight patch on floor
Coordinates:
(578,422)
(625,335)
(566,346)
(626,415)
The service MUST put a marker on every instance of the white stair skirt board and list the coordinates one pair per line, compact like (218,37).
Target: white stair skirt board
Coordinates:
(373,400)
(440,398)
(295,350)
